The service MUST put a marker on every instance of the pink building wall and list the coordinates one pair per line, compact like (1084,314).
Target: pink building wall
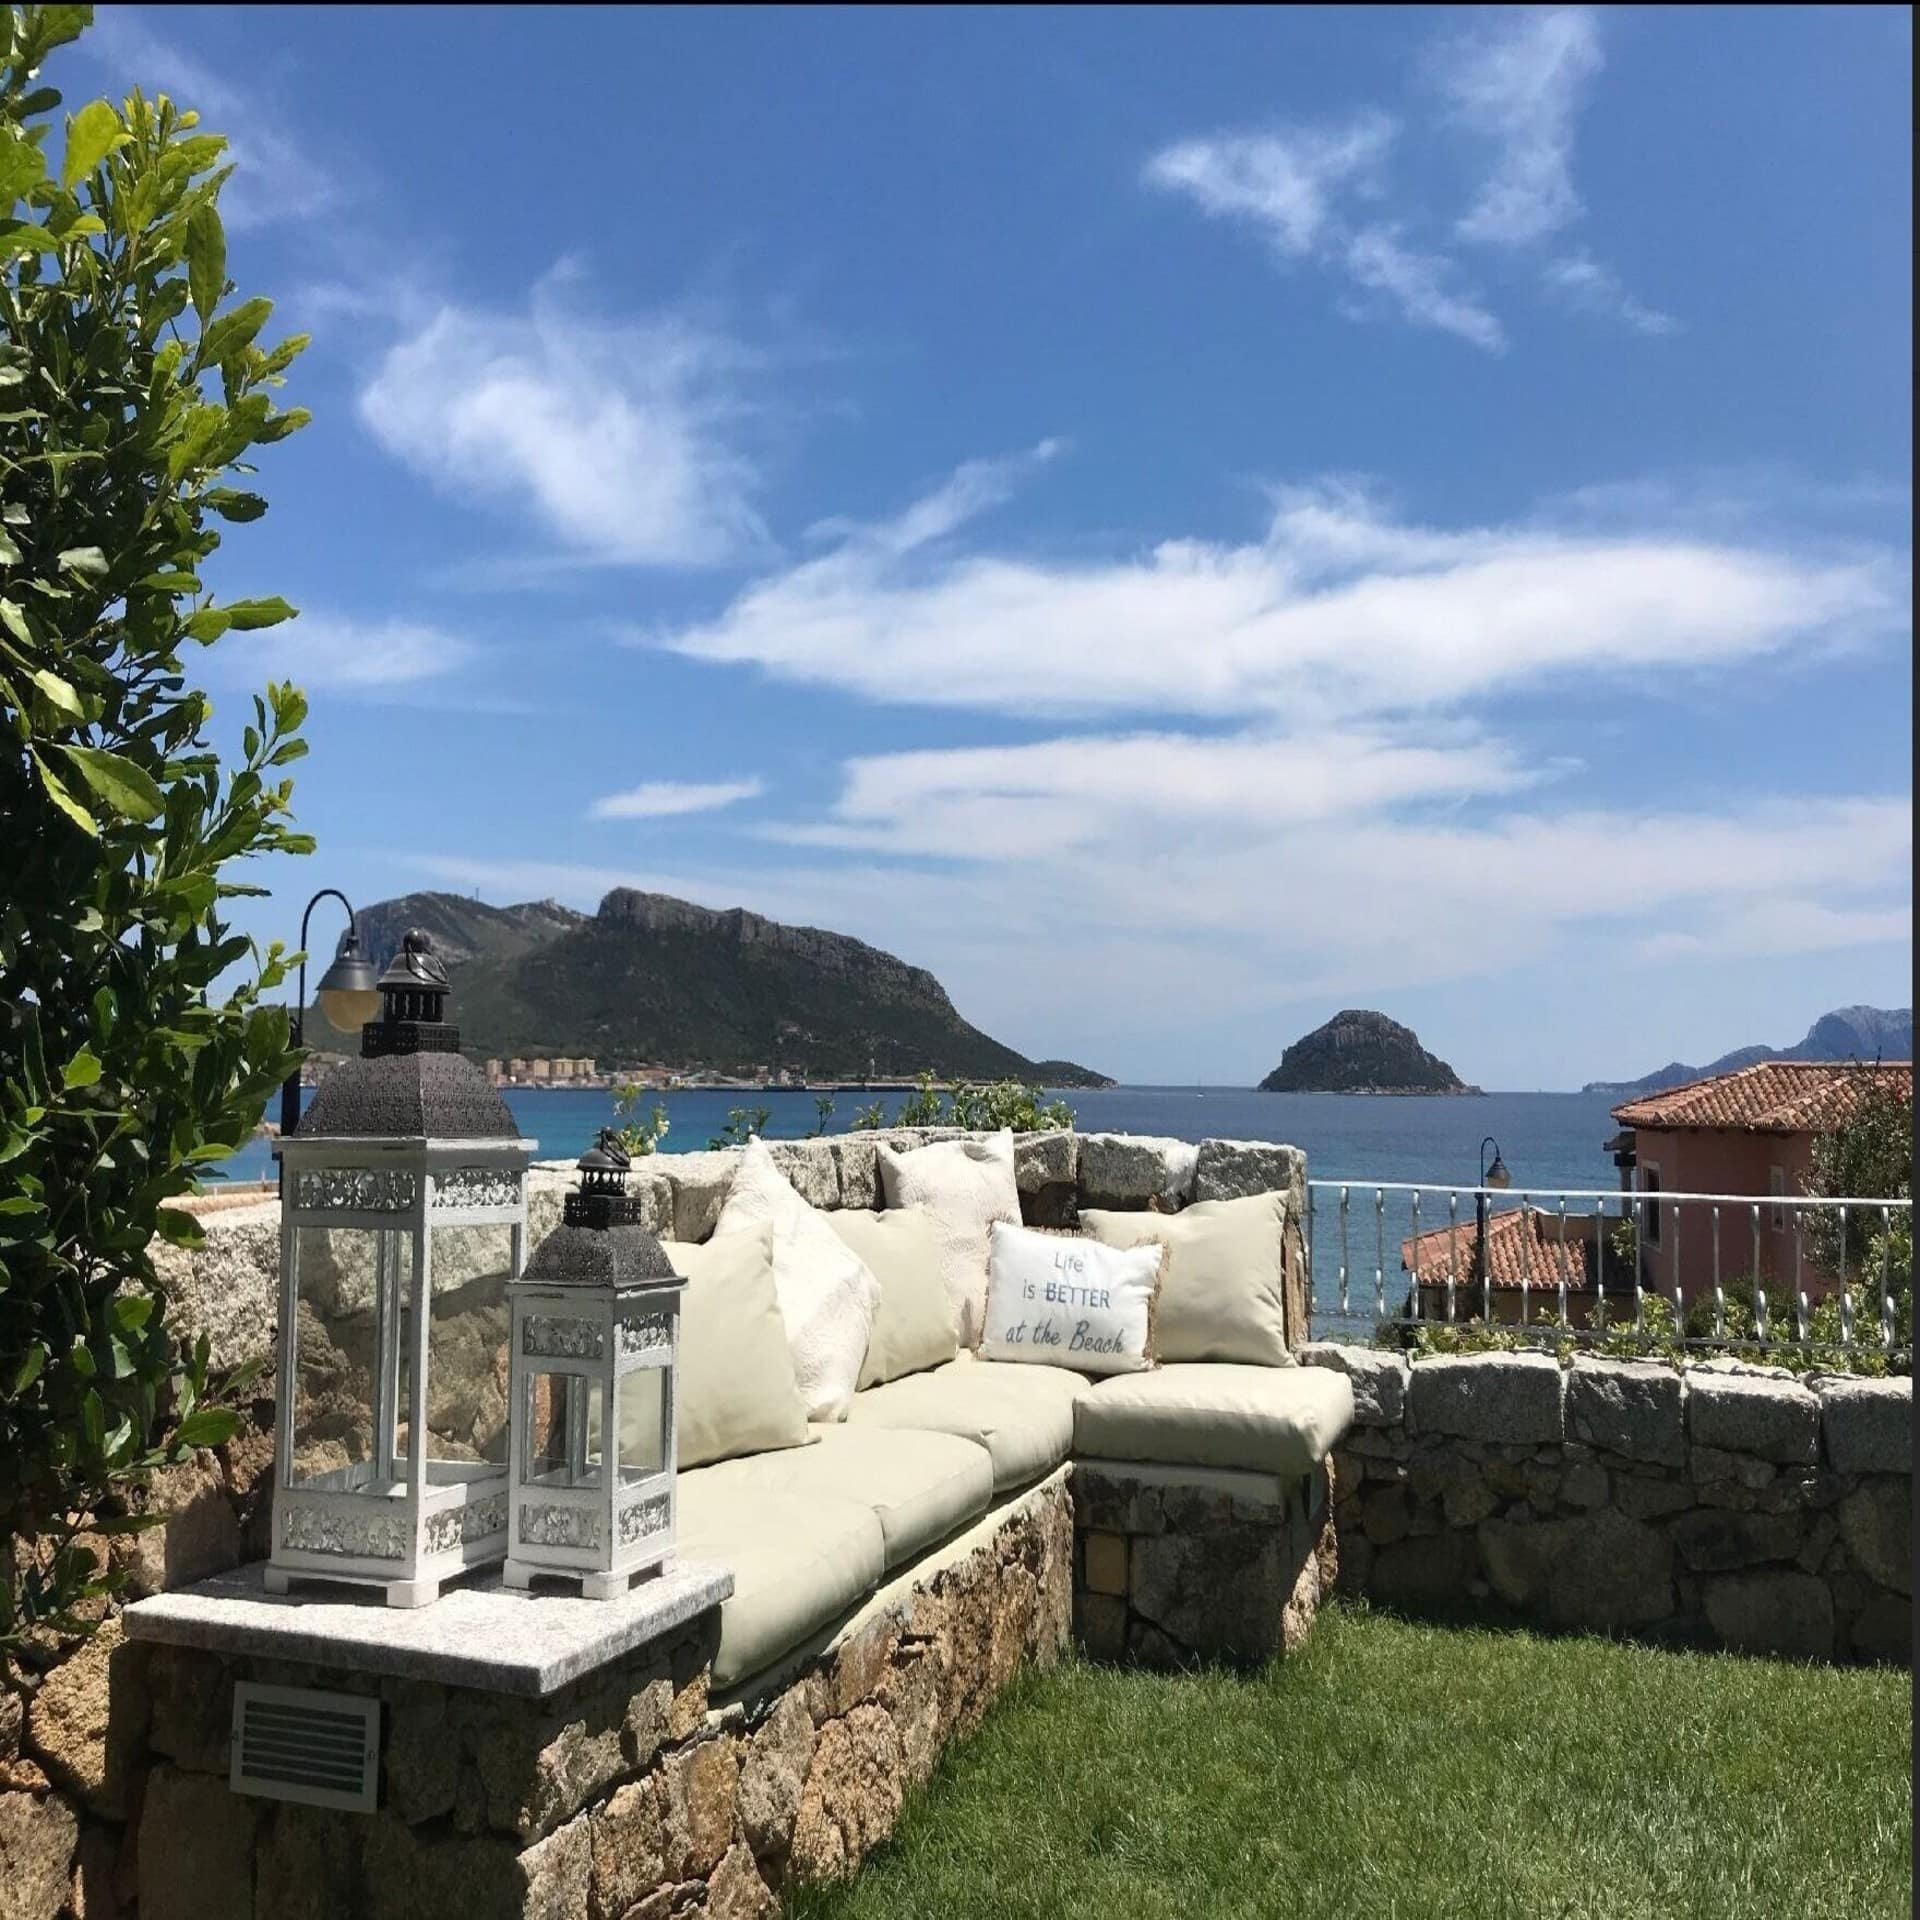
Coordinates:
(1725,1160)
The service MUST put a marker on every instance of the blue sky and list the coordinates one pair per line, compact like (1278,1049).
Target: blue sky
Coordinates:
(1180,522)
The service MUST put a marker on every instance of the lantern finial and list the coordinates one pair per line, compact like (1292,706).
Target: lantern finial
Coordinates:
(602,1199)
(413,993)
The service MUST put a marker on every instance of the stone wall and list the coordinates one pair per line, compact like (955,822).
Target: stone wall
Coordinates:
(1719,1506)
(1179,1565)
(630,1795)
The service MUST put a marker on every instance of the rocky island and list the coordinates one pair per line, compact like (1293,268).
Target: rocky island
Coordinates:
(1362,1052)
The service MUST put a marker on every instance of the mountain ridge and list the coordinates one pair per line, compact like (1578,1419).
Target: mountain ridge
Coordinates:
(648,978)
(1847,1033)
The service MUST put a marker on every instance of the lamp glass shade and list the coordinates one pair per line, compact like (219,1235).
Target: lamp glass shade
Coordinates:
(1497,1175)
(349,993)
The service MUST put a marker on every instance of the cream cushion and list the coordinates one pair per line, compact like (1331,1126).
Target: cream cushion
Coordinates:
(1068,1300)
(915,1327)
(734,1385)
(1223,1296)
(919,1486)
(966,1185)
(1258,1419)
(1022,1415)
(797,1565)
(827,1296)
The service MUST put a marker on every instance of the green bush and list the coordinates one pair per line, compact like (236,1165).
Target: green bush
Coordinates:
(981,1109)
(132,390)
(1869,1156)
(639,1136)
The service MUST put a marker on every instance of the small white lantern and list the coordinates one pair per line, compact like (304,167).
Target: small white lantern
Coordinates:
(403,1217)
(596,1330)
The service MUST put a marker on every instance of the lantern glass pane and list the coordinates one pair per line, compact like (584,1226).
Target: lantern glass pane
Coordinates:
(467,1344)
(348,1282)
(561,1445)
(643,1425)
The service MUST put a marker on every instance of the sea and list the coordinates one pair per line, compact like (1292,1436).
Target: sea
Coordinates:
(1546,1140)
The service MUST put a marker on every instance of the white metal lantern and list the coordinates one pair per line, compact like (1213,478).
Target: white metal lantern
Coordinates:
(596,1330)
(403,1219)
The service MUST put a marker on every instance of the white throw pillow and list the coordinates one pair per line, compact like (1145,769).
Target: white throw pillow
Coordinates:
(827,1293)
(1069,1301)
(966,1185)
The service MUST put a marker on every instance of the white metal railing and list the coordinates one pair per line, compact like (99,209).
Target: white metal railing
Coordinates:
(1599,1256)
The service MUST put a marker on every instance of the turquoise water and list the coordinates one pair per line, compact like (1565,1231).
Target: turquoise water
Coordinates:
(1547,1140)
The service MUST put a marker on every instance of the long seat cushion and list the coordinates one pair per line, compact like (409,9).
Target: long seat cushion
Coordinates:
(1021,1414)
(1279,1420)
(797,1564)
(919,1486)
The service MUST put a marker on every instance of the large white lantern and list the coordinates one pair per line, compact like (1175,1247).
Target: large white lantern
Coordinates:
(596,1329)
(403,1218)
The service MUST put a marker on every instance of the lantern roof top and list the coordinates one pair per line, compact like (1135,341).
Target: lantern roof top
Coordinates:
(433,1096)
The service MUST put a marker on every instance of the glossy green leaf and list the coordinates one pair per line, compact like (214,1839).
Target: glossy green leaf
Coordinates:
(83,1070)
(58,691)
(92,134)
(245,615)
(206,260)
(126,787)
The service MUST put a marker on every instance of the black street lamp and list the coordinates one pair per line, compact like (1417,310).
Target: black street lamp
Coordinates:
(1498,1178)
(349,996)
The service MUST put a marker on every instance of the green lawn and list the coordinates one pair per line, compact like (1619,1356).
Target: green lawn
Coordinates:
(1397,1772)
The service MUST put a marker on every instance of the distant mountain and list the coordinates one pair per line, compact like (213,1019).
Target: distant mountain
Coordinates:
(1847,1033)
(652,979)
(1362,1052)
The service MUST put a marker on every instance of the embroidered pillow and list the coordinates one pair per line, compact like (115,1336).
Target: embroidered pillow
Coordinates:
(827,1295)
(1069,1301)
(734,1389)
(966,1185)
(914,1329)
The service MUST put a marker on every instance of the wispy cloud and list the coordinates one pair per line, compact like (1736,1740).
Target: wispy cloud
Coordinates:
(1325,195)
(278,173)
(664,799)
(1285,183)
(1337,607)
(1582,282)
(334,653)
(1424,286)
(622,440)
(1519,85)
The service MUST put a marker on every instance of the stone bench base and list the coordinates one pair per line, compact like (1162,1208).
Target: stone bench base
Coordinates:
(1175,1566)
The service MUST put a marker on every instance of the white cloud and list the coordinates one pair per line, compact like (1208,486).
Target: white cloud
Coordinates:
(1335,609)
(278,173)
(1284,183)
(1293,187)
(1583,283)
(1778,926)
(1081,791)
(1422,286)
(664,799)
(1519,85)
(331,653)
(619,439)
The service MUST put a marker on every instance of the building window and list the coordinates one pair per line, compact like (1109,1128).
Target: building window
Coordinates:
(1777,1186)
(1650,1209)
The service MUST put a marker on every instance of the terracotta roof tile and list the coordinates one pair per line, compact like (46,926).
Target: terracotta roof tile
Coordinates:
(1523,1249)
(1775,1096)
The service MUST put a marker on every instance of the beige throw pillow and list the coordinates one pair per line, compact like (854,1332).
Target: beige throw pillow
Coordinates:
(827,1296)
(734,1383)
(915,1327)
(1223,1297)
(966,1185)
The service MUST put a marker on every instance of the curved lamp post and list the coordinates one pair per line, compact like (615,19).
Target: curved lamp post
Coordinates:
(349,996)
(1498,1178)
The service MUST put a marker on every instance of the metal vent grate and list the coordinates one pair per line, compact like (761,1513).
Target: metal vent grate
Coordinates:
(291,1743)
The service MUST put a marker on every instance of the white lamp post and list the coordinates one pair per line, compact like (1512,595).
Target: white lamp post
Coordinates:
(596,1328)
(403,1217)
